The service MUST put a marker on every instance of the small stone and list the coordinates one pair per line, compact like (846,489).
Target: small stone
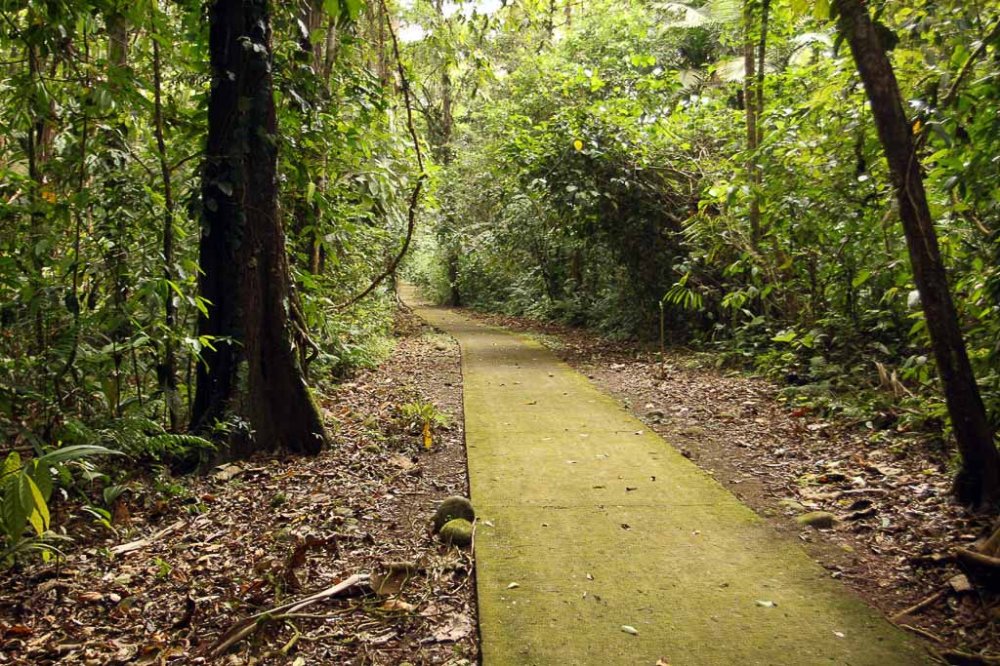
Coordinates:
(793,505)
(451,508)
(820,520)
(457,532)
(960,583)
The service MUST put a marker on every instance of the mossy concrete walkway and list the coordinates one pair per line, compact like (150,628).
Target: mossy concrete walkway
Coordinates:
(589,522)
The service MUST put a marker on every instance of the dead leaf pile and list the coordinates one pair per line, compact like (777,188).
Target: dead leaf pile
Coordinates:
(205,561)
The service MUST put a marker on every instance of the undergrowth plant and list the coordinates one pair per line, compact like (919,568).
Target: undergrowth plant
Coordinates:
(26,488)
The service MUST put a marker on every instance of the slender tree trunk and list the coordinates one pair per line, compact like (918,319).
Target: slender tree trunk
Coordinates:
(750,104)
(978,482)
(255,373)
(39,229)
(168,371)
(306,215)
(765,15)
(332,46)
(116,257)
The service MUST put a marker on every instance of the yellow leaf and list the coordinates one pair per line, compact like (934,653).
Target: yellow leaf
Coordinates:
(578,145)
(917,126)
(428,440)
(39,516)
(49,196)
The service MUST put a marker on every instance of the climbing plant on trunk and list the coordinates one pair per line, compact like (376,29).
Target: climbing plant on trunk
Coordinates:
(978,482)
(252,371)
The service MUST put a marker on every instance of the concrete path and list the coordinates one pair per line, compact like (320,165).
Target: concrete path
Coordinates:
(590,524)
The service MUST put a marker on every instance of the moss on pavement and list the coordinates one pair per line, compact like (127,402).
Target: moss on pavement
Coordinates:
(589,522)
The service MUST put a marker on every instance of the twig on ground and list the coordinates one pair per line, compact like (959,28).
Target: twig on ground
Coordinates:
(139,544)
(248,625)
(917,607)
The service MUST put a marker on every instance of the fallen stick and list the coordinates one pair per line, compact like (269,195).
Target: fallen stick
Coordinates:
(248,625)
(960,658)
(139,544)
(917,607)
(972,557)
(922,632)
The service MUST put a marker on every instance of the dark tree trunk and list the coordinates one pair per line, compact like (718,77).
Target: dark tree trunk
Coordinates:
(978,482)
(750,105)
(168,368)
(253,371)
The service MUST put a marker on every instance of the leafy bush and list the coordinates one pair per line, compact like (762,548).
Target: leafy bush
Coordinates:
(25,490)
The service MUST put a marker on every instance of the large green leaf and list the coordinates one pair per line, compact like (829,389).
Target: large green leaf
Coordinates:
(75,452)
(14,512)
(34,504)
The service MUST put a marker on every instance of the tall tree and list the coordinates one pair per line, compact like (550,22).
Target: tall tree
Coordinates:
(253,370)
(978,482)
(750,95)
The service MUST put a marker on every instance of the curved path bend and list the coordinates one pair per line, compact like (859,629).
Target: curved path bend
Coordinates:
(589,522)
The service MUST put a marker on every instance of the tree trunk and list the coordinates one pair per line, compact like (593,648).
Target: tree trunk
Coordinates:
(168,368)
(253,371)
(765,15)
(750,104)
(978,481)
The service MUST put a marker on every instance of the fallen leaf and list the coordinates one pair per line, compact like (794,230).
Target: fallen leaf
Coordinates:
(398,605)
(456,628)
(960,583)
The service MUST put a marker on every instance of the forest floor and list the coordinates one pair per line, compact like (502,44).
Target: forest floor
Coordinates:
(193,557)
(205,553)
(898,528)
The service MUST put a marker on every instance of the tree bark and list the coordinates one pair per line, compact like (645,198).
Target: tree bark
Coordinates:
(750,104)
(978,481)
(253,371)
(168,370)
(765,15)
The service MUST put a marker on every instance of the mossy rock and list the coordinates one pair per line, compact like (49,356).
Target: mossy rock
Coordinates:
(452,508)
(820,520)
(457,532)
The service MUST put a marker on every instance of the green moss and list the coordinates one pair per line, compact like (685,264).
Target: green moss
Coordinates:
(821,520)
(451,508)
(457,532)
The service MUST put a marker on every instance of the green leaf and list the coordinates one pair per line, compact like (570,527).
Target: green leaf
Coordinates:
(38,514)
(354,8)
(42,476)
(68,453)
(785,336)
(11,466)
(13,513)
(861,278)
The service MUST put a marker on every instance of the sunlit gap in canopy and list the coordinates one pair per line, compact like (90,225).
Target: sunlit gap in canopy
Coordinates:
(414,32)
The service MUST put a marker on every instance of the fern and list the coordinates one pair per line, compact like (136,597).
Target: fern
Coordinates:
(137,436)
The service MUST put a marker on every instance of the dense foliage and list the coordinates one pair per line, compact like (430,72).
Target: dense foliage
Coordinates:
(707,172)
(605,176)
(102,139)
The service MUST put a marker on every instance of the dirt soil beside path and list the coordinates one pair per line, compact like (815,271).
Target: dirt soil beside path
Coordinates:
(266,531)
(897,526)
